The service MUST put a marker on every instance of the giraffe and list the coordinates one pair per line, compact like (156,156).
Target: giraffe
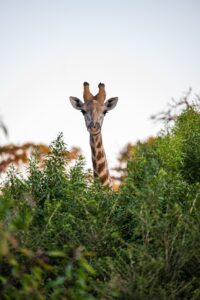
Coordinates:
(94,109)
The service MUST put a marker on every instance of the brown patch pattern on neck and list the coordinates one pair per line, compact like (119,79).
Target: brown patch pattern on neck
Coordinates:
(99,161)
(101,167)
(104,178)
(99,155)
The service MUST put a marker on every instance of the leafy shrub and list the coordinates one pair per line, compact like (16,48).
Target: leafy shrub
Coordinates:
(160,214)
(64,237)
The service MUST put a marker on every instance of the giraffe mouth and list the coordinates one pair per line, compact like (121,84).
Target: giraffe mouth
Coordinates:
(94,128)
(94,131)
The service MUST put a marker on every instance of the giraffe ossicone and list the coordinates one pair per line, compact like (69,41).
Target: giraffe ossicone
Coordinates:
(94,109)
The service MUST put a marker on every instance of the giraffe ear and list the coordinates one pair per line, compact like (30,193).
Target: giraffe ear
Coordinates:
(76,103)
(111,103)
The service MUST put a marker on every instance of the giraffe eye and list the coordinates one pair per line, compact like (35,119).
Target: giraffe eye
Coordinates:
(83,112)
(105,112)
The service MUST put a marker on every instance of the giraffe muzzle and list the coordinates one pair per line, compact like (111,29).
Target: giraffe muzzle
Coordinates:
(94,127)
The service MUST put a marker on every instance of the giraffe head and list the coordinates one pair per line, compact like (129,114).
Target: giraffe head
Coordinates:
(94,108)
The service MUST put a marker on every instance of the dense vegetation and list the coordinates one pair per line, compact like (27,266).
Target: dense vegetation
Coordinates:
(63,237)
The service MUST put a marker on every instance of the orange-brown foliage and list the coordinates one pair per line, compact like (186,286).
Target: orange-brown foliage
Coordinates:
(20,154)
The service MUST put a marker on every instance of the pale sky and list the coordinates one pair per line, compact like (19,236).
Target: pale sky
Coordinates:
(145,51)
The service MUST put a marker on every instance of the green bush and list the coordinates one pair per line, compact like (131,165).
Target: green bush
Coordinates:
(64,237)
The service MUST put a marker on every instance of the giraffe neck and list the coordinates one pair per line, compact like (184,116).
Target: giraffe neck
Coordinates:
(100,166)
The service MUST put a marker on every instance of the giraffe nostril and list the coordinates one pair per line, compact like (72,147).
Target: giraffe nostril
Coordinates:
(96,126)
